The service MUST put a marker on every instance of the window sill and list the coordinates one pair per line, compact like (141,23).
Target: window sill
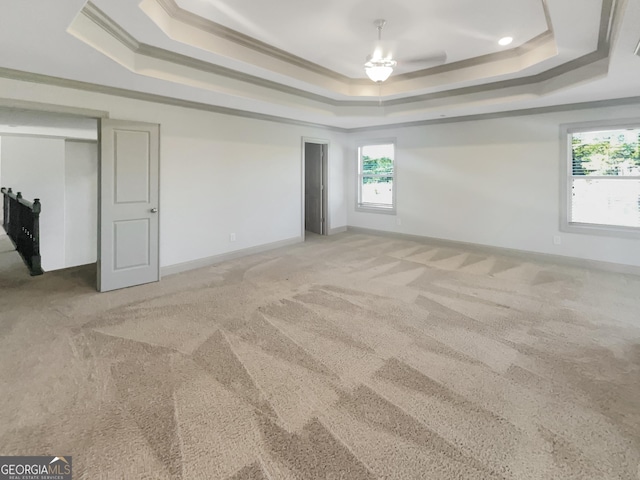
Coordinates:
(376,209)
(602,230)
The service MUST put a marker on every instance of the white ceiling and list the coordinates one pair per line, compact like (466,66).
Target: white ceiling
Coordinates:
(320,31)
(302,60)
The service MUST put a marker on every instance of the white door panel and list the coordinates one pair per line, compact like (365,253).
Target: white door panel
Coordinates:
(129,194)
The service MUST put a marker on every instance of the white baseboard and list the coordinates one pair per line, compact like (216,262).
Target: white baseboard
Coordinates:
(522,254)
(333,231)
(208,261)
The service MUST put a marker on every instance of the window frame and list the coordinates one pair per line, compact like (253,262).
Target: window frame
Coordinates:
(373,207)
(567,177)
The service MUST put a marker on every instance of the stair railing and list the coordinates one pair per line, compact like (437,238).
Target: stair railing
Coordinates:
(21,221)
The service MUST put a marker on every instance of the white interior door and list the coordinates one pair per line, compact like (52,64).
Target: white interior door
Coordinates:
(128,252)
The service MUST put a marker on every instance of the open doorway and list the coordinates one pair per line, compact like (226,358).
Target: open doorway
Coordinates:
(98,184)
(54,158)
(315,206)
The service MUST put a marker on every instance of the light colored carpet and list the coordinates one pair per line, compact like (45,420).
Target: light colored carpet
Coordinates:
(349,357)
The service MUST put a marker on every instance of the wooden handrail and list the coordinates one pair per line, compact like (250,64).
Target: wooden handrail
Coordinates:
(36,206)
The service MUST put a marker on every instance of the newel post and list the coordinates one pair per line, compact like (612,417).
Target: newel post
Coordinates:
(17,228)
(36,267)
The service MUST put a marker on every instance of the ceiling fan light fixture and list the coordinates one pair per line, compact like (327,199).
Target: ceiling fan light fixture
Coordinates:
(379,70)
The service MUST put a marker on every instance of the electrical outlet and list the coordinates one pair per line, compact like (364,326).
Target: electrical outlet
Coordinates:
(232,237)
(398,221)
(557,240)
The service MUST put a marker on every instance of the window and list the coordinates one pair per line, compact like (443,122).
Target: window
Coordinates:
(603,179)
(376,177)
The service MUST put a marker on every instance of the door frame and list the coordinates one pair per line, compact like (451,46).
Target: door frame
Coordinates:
(98,115)
(78,112)
(325,183)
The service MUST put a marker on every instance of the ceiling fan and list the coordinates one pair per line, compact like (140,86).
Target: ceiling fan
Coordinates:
(380,63)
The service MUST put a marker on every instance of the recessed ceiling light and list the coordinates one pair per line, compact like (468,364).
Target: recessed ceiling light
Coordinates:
(504,41)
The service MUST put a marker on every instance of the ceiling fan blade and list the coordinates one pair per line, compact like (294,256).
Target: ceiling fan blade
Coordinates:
(434,59)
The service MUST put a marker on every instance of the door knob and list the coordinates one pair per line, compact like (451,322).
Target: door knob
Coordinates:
(154,210)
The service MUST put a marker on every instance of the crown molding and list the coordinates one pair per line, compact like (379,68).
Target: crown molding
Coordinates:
(136,95)
(154,98)
(184,16)
(567,107)
(538,41)
(108,25)
(610,9)
(105,22)
(610,18)
(189,18)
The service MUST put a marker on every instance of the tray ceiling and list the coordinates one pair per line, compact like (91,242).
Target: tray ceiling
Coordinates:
(303,60)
